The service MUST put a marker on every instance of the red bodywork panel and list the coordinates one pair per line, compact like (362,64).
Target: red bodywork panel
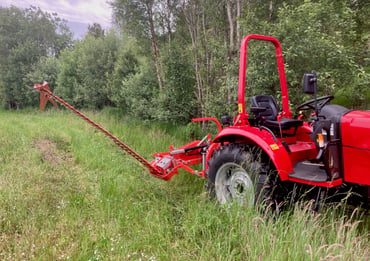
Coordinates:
(356,147)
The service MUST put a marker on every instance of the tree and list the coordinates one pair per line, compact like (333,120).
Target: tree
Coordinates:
(95,30)
(176,59)
(86,69)
(25,37)
(234,8)
(322,40)
(177,103)
(208,30)
(126,66)
(46,69)
(325,36)
(137,16)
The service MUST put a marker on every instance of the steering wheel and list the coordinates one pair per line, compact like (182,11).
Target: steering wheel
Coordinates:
(310,104)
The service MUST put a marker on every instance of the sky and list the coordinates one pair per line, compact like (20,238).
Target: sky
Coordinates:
(78,13)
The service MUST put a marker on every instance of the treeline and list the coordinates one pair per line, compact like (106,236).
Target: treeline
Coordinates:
(177,59)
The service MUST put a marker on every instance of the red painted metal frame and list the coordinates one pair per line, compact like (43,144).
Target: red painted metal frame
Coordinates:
(242,72)
(184,160)
(242,130)
(303,149)
(209,119)
(180,160)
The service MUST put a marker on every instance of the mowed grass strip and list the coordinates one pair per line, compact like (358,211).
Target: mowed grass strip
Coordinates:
(68,193)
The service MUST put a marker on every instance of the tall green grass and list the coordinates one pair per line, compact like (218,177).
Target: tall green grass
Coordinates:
(68,193)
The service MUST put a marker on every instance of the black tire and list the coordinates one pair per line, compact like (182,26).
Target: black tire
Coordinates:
(241,173)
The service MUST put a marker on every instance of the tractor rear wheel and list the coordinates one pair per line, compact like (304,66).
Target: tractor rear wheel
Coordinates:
(238,173)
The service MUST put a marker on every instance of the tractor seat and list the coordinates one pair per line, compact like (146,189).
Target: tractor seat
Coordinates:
(268,112)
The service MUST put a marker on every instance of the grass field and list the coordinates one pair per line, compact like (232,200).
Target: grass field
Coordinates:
(68,193)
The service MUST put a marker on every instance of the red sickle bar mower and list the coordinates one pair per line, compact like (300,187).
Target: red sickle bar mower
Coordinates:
(166,164)
(257,158)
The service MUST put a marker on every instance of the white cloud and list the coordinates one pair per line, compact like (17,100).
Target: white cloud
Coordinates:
(88,11)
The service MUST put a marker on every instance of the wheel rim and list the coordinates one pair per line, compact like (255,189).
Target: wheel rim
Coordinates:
(233,183)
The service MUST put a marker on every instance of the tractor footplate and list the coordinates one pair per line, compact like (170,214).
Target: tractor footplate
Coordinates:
(311,173)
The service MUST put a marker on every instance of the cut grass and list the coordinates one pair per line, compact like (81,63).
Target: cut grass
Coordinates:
(79,197)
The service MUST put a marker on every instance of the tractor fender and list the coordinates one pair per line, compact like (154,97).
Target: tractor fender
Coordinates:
(263,139)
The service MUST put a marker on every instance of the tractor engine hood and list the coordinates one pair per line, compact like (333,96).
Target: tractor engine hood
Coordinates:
(356,130)
(356,147)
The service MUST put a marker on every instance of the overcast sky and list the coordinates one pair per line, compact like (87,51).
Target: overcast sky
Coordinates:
(81,11)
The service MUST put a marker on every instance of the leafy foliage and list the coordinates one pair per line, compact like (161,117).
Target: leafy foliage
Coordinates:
(177,102)
(315,36)
(137,91)
(173,60)
(319,38)
(25,37)
(86,70)
(95,30)
(133,83)
(46,69)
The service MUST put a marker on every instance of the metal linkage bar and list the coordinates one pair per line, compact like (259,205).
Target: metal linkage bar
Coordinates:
(46,94)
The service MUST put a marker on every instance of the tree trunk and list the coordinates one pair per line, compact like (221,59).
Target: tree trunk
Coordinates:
(169,30)
(271,9)
(158,65)
(207,57)
(238,11)
(231,24)
(192,20)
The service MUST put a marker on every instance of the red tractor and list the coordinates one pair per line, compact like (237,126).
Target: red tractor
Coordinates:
(256,158)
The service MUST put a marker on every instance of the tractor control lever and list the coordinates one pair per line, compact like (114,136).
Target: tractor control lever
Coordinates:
(198,146)
(179,151)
